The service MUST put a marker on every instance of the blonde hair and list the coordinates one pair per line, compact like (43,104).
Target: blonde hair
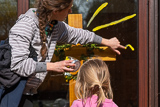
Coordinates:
(93,78)
(44,12)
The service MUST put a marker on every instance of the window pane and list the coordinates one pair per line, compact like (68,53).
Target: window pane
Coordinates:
(8,17)
(119,18)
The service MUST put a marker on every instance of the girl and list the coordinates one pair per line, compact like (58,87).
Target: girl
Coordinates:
(93,88)
(41,28)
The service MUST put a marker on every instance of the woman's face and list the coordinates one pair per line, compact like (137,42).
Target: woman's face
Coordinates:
(62,15)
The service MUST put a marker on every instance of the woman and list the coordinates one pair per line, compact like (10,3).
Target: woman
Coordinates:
(41,28)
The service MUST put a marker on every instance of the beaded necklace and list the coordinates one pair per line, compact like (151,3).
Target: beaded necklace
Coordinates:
(49,27)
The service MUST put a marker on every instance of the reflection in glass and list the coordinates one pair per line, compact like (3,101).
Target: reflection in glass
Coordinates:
(8,17)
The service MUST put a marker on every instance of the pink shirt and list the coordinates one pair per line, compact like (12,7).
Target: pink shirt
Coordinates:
(92,102)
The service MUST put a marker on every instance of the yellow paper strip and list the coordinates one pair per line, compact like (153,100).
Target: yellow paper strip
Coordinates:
(128,45)
(113,23)
(96,12)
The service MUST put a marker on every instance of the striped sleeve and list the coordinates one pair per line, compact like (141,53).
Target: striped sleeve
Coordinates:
(20,37)
(73,35)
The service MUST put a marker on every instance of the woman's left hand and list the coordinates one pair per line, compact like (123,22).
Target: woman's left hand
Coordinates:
(60,66)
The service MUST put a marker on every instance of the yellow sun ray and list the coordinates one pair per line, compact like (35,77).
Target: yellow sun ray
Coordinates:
(96,12)
(114,23)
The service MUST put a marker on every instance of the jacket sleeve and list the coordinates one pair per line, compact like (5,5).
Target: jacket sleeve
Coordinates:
(68,34)
(20,37)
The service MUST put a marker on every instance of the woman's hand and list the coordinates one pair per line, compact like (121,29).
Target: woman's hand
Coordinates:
(113,43)
(61,66)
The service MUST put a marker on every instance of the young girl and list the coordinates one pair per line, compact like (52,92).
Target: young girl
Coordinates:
(93,88)
(41,28)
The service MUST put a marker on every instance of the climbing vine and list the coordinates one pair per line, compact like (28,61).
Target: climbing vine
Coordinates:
(60,51)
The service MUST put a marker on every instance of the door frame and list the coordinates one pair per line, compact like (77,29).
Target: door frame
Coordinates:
(143,53)
(153,53)
(148,53)
(148,50)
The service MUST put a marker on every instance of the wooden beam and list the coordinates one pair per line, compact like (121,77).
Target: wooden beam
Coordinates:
(76,51)
(75,20)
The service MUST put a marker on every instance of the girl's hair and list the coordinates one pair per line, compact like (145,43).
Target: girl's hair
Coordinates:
(93,78)
(44,12)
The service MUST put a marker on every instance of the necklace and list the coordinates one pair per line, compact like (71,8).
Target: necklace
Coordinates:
(49,27)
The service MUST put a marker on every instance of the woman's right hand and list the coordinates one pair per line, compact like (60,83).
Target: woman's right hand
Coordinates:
(113,43)
(60,66)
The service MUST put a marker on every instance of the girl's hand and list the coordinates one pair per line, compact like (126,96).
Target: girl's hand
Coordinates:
(113,43)
(61,66)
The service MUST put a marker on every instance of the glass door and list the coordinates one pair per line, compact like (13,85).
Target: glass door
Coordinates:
(120,20)
(116,19)
(125,19)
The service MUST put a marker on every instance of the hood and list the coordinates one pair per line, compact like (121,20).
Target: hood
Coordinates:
(30,14)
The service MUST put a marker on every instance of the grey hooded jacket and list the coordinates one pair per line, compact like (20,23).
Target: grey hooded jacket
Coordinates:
(26,32)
